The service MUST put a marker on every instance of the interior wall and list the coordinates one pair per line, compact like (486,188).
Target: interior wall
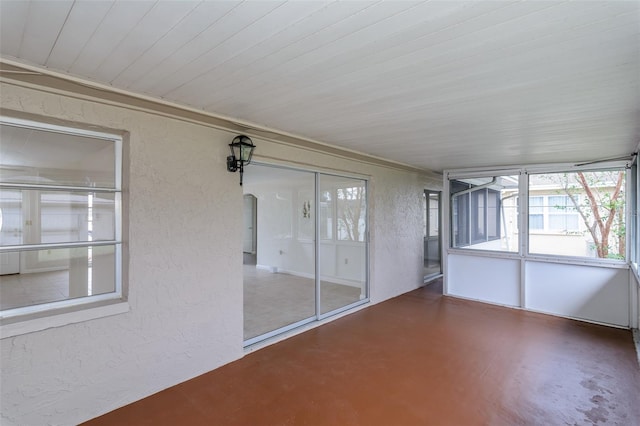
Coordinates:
(185,265)
(291,250)
(284,245)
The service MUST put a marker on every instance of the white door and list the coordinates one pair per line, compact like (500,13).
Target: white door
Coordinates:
(249,213)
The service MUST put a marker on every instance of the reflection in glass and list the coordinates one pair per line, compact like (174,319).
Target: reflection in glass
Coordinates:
(32,156)
(11,210)
(578,214)
(343,259)
(57,274)
(279,279)
(281,283)
(484,213)
(326,215)
(42,217)
(432,252)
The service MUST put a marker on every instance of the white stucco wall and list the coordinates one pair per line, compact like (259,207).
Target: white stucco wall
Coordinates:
(185,274)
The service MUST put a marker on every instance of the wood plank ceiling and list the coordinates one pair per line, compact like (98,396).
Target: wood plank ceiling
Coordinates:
(434,84)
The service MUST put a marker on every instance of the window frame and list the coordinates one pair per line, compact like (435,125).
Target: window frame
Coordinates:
(332,206)
(547,210)
(465,224)
(601,167)
(522,204)
(68,306)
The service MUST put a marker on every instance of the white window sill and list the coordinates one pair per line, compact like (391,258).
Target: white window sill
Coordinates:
(59,320)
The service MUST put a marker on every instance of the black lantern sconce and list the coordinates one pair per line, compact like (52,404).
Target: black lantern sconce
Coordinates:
(241,151)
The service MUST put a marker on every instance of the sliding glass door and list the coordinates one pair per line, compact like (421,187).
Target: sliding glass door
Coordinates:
(279,289)
(343,242)
(310,257)
(432,247)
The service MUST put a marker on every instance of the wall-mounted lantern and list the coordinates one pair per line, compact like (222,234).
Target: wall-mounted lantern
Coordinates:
(241,151)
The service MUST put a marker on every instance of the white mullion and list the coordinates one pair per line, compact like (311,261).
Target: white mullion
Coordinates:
(523,251)
(68,188)
(51,246)
(316,210)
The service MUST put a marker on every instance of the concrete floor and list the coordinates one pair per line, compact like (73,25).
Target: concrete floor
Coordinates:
(418,359)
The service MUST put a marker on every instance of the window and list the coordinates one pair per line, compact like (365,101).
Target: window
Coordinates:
(553,214)
(484,213)
(563,215)
(351,213)
(478,216)
(346,203)
(431,223)
(326,215)
(578,214)
(60,220)
(536,212)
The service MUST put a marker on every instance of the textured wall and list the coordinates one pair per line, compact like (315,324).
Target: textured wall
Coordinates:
(185,275)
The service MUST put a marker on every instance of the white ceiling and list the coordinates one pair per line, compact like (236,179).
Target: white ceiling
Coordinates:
(437,84)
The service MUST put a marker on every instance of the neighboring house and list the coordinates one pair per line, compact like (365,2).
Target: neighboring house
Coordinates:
(487,218)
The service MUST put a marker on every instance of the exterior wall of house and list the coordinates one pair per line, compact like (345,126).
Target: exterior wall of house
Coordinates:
(184,266)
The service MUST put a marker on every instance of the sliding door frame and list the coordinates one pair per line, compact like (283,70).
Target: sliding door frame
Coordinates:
(319,316)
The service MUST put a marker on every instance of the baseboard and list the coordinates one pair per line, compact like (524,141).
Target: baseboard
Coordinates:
(332,280)
(431,278)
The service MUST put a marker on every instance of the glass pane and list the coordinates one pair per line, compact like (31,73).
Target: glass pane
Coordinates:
(484,212)
(351,211)
(327,219)
(35,156)
(279,279)
(10,217)
(558,202)
(493,214)
(39,217)
(459,213)
(343,260)
(536,221)
(536,205)
(563,222)
(557,222)
(432,264)
(477,216)
(434,215)
(36,277)
(425,217)
(573,224)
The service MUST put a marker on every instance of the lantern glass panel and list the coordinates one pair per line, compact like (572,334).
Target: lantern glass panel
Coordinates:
(245,153)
